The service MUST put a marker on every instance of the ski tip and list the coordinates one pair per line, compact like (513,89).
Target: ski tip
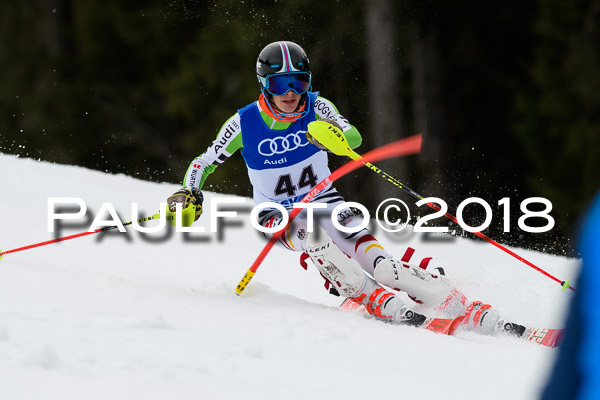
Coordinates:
(1,254)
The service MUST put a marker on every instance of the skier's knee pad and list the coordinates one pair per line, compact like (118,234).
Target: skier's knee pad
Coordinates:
(429,289)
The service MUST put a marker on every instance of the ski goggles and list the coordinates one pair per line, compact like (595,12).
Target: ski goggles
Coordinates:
(280,84)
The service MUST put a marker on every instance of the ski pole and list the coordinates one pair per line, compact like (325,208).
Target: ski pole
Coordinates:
(62,239)
(402,147)
(333,139)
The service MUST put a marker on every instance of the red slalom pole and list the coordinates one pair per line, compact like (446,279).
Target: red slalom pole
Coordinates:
(410,145)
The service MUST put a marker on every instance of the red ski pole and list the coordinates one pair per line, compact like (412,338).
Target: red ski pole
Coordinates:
(61,239)
(325,134)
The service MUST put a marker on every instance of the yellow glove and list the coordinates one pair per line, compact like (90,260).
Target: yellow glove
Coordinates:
(191,200)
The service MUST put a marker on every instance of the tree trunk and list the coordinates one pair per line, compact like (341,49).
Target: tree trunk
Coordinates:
(428,114)
(59,24)
(386,120)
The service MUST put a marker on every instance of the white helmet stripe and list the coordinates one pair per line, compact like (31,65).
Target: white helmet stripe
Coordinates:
(287,59)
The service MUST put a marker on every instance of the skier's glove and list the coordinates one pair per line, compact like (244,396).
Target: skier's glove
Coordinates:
(315,141)
(191,200)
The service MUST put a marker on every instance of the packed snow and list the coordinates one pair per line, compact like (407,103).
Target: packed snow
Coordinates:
(155,316)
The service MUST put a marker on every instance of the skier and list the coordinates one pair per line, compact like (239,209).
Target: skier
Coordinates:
(284,162)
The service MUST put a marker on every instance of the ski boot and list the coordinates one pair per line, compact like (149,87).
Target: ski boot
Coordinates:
(348,278)
(482,318)
(432,290)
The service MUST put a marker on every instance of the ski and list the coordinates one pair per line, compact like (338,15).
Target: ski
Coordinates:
(545,336)
(447,326)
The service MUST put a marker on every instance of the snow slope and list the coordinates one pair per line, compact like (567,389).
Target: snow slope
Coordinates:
(114,316)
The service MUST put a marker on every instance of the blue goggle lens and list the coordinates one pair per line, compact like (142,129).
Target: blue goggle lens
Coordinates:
(280,84)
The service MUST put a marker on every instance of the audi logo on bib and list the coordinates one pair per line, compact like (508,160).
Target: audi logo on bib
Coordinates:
(282,144)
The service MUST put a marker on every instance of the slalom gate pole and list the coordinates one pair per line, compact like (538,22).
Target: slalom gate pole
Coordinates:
(62,239)
(410,145)
(336,143)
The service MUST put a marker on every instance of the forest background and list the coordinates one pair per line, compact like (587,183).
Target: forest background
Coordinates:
(506,93)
